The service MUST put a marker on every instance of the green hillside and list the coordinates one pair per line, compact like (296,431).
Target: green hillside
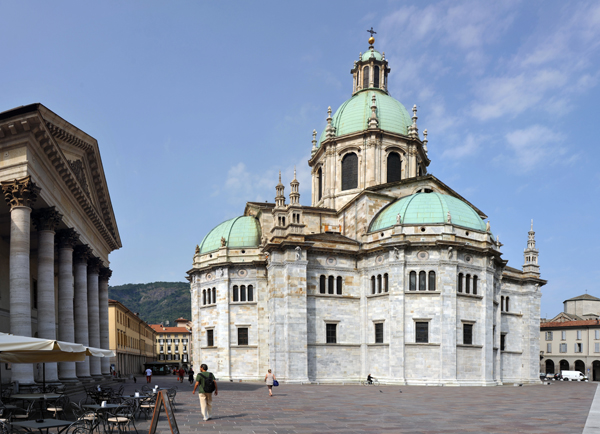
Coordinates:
(156,302)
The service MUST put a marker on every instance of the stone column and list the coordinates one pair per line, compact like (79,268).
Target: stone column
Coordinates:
(81,255)
(104,276)
(46,220)
(20,194)
(93,314)
(67,239)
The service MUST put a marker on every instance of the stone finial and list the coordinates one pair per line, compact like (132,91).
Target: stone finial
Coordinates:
(487,226)
(360,56)
(223,242)
(298,253)
(425,141)
(498,239)
(450,252)
(20,192)
(448,217)
(398,219)
(330,129)
(531,225)
(314,142)
(373,121)
(197,252)
(46,219)
(414,131)
(383,55)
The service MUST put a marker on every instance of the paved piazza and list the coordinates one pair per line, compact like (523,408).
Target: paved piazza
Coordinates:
(561,408)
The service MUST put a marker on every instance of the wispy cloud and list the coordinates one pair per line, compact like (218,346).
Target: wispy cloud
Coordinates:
(534,146)
(466,148)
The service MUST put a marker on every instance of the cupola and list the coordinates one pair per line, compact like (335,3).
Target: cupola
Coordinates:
(371,70)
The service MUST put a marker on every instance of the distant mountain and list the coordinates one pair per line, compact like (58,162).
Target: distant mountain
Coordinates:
(156,302)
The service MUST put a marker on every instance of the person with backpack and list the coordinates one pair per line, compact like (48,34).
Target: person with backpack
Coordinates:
(206,385)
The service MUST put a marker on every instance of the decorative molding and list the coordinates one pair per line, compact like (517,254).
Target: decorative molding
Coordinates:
(67,238)
(94,265)
(20,192)
(46,219)
(105,273)
(79,171)
(82,253)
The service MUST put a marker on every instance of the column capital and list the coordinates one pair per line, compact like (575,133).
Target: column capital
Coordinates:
(94,264)
(105,273)
(46,219)
(82,253)
(20,192)
(67,238)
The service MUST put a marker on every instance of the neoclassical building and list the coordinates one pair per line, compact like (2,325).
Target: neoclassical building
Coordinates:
(57,229)
(388,272)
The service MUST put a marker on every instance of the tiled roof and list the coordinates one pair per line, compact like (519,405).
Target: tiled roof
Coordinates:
(584,297)
(583,323)
(160,329)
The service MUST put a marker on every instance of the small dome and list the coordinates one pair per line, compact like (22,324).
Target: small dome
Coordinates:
(354,114)
(424,208)
(371,54)
(238,232)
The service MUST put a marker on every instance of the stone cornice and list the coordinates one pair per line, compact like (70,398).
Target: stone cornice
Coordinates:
(20,192)
(46,219)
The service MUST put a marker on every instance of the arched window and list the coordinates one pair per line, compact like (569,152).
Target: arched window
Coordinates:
(386,282)
(235,293)
(330,289)
(339,285)
(250,293)
(204,297)
(365,77)
(420,171)
(214,295)
(372,284)
(385,79)
(506,309)
(422,281)
(468,284)
(357,78)
(502,304)
(376,76)
(394,167)
(475,285)
(460,282)
(320,183)
(243,293)
(322,283)
(350,171)
(208,296)
(412,281)
(379,287)
(564,365)
(432,280)
(549,367)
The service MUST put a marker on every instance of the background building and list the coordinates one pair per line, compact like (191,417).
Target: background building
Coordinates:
(173,343)
(388,272)
(57,229)
(131,339)
(571,340)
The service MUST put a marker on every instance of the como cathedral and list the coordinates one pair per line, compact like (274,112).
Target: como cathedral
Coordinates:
(388,272)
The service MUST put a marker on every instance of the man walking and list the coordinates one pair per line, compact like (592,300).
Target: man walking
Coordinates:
(148,375)
(206,385)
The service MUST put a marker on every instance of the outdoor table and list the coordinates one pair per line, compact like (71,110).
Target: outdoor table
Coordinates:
(101,411)
(37,397)
(45,424)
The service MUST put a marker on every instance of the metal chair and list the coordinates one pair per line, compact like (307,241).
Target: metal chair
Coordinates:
(79,427)
(59,406)
(123,417)
(23,413)
(87,417)
(147,406)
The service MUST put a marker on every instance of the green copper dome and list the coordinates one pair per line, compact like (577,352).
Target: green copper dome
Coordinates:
(354,114)
(371,55)
(424,208)
(238,232)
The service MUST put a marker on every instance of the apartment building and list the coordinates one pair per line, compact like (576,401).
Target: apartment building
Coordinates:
(173,343)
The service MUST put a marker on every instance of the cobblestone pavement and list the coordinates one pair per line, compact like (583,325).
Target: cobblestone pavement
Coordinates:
(560,408)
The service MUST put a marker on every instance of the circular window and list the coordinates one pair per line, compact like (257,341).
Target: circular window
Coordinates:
(209,276)
(422,229)
(331,261)
(242,273)
(422,255)
(467,233)
(382,234)
(468,258)
(243,251)
(379,259)
(210,256)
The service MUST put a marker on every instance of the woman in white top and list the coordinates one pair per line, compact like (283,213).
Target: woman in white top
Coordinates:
(269,378)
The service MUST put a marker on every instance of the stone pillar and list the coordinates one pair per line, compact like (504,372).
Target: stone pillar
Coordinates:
(20,194)
(81,255)
(46,220)
(105,274)
(93,314)
(67,239)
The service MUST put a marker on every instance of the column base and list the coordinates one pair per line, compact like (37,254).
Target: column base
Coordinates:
(72,380)
(97,377)
(85,379)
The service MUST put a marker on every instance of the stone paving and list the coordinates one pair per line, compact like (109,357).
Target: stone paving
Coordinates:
(560,408)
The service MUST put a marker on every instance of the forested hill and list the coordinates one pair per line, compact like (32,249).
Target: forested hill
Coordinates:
(156,302)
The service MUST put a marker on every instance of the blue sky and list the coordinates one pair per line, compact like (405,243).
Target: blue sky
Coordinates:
(197,105)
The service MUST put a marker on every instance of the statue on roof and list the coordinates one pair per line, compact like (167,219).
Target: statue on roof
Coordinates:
(223,242)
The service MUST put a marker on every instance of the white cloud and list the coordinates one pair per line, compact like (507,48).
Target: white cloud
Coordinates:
(536,145)
(467,147)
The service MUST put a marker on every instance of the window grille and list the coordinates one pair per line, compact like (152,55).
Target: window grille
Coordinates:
(242,336)
(379,333)
(422,332)
(350,171)
(210,338)
(331,334)
(468,334)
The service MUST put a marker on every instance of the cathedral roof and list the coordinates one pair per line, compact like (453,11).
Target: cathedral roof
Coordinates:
(241,231)
(584,297)
(371,54)
(353,115)
(423,208)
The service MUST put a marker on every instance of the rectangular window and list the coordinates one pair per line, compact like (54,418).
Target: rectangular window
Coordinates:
(162,349)
(422,332)
(563,348)
(548,348)
(379,333)
(331,333)
(502,342)
(563,335)
(168,349)
(597,347)
(210,338)
(578,347)
(242,336)
(578,334)
(468,334)
(548,336)
(597,334)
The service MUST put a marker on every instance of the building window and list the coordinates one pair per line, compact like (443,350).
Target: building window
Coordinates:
(549,348)
(394,167)
(548,336)
(563,335)
(563,348)
(208,296)
(320,184)
(597,347)
(422,281)
(350,171)
(386,282)
(162,349)
(322,282)
(502,342)
(243,293)
(468,334)
(578,347)
(578,334)
(422,332)
(339,285)
(331,333)
(379,286)
(214,298)
(597,334)
(413,281)
(379,333)
(235,293)
(210,338)
(432,280)
(204,297)
(250,293)
(35,294)
(330,281)
(460,282)
(376,76)
(506,309)
(475,285)
(372,284)
(242,335)
(365,77)
(468,284)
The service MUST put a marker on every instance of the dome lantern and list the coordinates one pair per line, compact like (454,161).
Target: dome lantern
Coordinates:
(371,69)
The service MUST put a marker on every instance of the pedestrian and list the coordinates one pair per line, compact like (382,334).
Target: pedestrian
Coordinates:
(269,379)
(206,385)
(181,373)
(191,375)
(149,375)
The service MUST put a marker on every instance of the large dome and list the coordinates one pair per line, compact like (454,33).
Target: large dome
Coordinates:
(354,114)
(424,208)
(238,232)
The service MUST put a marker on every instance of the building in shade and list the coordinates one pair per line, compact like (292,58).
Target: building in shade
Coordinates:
(57,229)
(131,339)
(388,271)
(173,344)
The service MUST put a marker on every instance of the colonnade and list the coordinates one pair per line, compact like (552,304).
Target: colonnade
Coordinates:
(82,287)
